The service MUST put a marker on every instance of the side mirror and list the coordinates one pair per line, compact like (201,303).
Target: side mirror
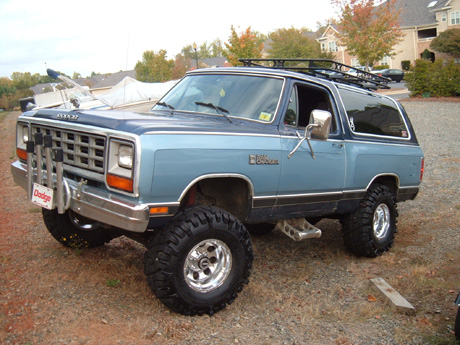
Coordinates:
(320,125)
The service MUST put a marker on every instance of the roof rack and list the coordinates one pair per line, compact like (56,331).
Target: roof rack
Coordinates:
(324,68)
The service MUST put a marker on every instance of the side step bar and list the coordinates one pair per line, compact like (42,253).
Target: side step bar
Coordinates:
(298,229)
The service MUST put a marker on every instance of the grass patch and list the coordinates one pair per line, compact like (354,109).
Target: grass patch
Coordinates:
(113,282)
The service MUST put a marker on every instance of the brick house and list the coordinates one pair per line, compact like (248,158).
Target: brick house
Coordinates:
(420,22)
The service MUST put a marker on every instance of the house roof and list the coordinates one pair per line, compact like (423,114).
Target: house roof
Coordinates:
(105,79)
(96,82)
(417,12)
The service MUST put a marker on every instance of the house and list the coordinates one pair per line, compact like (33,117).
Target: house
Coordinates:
(420,21)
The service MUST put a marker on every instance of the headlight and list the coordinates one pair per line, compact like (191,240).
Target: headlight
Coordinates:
(25,134)
(125,156)
(120,165)
(22,136)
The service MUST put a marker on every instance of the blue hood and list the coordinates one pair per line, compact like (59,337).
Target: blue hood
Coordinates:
(139,123)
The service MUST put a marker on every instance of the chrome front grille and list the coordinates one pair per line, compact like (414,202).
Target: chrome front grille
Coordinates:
(81,150)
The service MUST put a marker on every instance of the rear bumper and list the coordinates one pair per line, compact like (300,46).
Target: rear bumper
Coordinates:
(102,206)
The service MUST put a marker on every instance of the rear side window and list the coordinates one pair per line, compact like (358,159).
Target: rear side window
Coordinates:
(373,115)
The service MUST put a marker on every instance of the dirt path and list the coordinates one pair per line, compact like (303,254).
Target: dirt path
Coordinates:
(313,292)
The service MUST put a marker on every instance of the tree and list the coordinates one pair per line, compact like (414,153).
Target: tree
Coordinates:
(204,51)
(448,42)
(181,66)
(367,31)
(76,75)
(23,81)
(154,67)
(249,44)
(6,86)
(293,43)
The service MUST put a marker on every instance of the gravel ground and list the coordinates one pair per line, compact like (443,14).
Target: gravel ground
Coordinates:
(313,292)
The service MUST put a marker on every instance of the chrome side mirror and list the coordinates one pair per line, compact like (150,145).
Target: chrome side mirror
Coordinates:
(319,128)
(321,121)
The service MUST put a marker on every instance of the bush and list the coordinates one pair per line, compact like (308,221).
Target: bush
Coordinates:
(378,68)
(435,79)
(405,65)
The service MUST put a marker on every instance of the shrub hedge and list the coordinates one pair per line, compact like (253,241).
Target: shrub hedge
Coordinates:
(434,79)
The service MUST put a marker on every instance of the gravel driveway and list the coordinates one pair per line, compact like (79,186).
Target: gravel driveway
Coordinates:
(312,292)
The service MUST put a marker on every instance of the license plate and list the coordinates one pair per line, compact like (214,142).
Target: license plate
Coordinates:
(42,196)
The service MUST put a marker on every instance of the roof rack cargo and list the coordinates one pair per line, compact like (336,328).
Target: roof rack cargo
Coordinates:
(324,68)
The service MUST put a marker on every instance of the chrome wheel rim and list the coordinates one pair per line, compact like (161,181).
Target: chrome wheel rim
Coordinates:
(207,265)
(382,221)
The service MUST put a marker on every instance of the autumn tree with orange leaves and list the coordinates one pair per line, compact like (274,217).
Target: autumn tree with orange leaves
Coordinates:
(249,44)
(369,32)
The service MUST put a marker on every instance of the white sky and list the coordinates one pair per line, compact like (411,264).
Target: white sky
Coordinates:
(108,36)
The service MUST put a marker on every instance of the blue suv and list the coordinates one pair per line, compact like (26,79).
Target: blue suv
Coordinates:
(276,144)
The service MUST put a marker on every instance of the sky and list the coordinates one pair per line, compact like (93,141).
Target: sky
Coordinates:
(109,36)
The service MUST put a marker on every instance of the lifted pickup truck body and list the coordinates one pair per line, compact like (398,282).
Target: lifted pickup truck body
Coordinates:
(254,146)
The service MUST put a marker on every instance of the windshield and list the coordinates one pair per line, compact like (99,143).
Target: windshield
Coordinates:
(250,97)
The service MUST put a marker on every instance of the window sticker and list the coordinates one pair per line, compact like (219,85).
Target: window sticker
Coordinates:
(352,124)
(222,93)
(265,116)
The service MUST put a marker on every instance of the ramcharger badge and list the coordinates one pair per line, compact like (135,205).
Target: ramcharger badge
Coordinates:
(262,160)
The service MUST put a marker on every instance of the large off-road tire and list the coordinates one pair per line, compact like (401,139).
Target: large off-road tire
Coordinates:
(75,231)
(200,262)
(370,229)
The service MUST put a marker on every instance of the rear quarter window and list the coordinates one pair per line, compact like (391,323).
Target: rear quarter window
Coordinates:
(373,115)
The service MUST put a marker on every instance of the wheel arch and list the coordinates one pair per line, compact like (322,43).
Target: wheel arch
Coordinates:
(231,192)
(391,180)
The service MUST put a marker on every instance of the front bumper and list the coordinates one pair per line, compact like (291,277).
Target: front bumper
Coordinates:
(95,204)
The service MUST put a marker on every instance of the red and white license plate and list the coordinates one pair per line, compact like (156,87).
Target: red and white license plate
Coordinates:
(42,196)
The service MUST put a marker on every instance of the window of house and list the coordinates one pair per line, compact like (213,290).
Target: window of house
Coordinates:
(455,18)
(373,115)
(323,46)
(444,17)
(333,47)
(385,60)
(355,62)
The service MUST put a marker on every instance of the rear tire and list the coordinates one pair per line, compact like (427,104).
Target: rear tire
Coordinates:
(369,230)
(200,262)
(75,231)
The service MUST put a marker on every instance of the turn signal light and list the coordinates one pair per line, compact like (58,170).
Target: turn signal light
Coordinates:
(22,154)
(422,169)
(159,210)
(121,183)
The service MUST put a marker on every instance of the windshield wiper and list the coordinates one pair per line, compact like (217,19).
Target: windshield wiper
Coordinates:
(164,104)
(220,110)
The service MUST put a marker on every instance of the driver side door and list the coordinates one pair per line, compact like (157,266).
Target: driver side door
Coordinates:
(309,186)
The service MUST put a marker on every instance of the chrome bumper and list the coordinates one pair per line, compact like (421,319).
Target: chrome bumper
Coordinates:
(95,204)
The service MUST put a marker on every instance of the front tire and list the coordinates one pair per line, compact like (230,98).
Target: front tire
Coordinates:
(75,231)
(200,262)
(369,230)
